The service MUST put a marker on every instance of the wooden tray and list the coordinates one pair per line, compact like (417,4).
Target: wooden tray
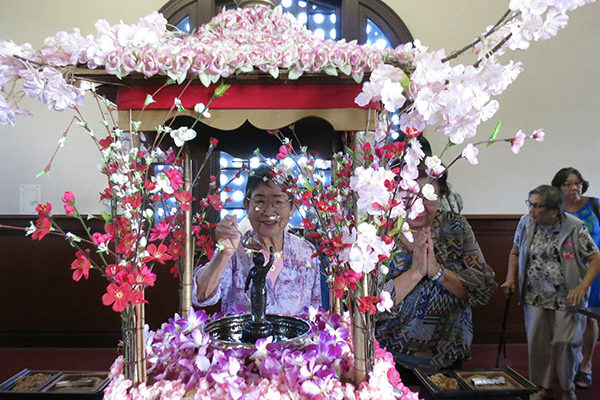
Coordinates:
(516,386)
(58,385)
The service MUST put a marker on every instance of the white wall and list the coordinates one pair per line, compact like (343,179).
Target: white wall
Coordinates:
(26,148)
(558,91)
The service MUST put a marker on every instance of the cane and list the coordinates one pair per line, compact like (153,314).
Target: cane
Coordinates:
(502,341)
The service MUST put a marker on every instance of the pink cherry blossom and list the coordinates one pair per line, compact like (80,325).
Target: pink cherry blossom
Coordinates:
(517,142)
(538,135)
(470,153)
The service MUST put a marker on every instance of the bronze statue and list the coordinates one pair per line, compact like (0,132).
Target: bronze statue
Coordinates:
(258,327)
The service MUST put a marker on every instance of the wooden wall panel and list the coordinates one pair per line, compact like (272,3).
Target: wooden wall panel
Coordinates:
(495,236)
(43,306)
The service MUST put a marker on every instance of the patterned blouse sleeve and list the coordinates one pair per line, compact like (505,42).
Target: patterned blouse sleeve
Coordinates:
(315,299)
(474,272)
(587,247)
(224,283)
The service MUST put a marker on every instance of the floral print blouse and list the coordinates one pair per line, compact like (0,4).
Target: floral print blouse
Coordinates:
(545,285)
(298,285)
(432,328)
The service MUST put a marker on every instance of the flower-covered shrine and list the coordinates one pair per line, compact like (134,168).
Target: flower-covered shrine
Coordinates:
(253,77)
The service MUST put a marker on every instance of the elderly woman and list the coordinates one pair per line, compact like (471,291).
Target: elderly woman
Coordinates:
(572,187)
(293,282)
(554,260)
(434,281)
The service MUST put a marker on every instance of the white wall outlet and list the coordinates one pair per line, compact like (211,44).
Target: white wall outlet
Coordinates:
(29,197)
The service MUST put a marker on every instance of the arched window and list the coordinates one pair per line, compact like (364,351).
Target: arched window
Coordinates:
(366,21)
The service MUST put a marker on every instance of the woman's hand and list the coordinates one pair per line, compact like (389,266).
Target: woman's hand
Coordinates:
(432,265)
(574,296)
(509,285)
(228,234)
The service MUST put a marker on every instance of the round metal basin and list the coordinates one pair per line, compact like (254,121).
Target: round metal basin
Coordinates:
(228,330)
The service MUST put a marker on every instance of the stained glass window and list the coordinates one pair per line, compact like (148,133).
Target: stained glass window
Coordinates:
(375,36)
(184,25)
(230,166)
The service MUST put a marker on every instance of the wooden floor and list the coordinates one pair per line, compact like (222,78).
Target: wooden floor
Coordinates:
(13,360)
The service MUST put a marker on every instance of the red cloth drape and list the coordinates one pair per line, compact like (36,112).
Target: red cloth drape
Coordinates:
(243,96)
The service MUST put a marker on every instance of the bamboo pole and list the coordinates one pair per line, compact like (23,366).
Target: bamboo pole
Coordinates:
(362,335)
(188,261)
(362,329)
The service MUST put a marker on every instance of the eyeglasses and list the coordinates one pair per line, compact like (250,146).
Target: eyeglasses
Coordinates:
(570,184)
(536,206)
(261,203)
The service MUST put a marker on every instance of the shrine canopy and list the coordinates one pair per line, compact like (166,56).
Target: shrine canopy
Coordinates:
(266,106)
(279,72)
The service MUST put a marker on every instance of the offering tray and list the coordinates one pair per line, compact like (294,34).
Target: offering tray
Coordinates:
(54,385)
(497,383)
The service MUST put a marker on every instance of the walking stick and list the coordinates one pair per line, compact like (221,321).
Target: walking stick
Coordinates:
(502,341)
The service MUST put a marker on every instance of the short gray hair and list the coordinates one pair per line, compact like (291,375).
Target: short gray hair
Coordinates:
(550,196)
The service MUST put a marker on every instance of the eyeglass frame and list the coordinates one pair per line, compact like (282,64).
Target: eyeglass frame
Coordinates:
(269,201)
(536,206)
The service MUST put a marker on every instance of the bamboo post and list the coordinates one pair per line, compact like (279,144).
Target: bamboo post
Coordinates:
(335,304)
(362,335)
(185,301)
(362,329)
(134,351)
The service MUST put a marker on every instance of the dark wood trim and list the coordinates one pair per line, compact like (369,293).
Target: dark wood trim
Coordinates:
(386,19)
(45,307)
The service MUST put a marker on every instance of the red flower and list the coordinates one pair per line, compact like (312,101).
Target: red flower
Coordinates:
(112,270)
(104,143)
(43,209)
(80,266)
(42,227)
(69,210)
(100,238)
(283,152)
(339,286)
(174,270)
(125,244)
(213,141)
(149,185)
(134,201)
(306,196)
(118,296)
(351,278)
(179,235)
(68,198)
(176,251)
(215,201)
(412,133)
(366,147)
(142,277)
(174,177)
(159,253)
(184,198)
(106,194)
(137,297)
(367,304)
(159,231)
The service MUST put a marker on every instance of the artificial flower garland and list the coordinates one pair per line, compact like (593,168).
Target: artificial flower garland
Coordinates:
(184,362)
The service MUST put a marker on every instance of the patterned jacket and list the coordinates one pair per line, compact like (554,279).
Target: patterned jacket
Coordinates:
(432,328)
(573,264)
